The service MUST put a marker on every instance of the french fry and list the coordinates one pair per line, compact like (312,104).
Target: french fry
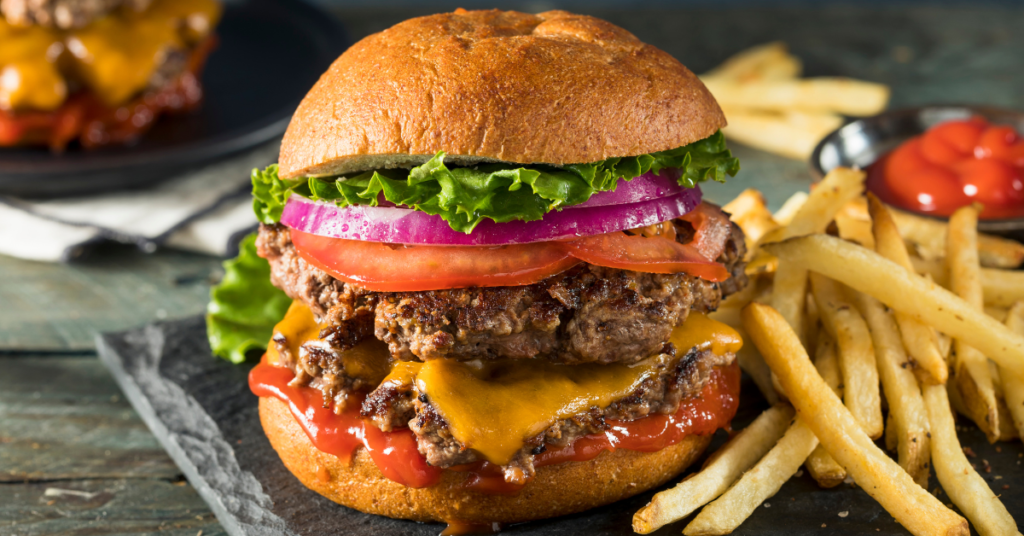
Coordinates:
(1002,288)
(855,230)
(996,312)
(827,198)
(929,238)
(903,290)
(972,376)
(825,471)
(962,483)
(734,506)
(840,95)
(999,287)
(825,415)
(918,338)
(788,210)
(1013,387)
(749,211)
(906,407)
(721,470)
(748,358)
(793,134)
(769,61)
(856,354)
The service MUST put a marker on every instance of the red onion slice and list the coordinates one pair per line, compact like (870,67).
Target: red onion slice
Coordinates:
(641,188)
(406,226)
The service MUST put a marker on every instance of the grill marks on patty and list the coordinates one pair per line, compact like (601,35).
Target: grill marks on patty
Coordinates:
(586,314)
(393,406)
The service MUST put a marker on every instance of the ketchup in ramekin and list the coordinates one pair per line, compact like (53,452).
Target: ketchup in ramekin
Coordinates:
(954,164)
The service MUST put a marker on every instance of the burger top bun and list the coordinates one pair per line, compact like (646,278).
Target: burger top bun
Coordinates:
(485,86)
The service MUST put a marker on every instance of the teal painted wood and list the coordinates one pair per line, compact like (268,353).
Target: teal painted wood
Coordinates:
(76,459)
(61,307)
(65,418)
(105,507)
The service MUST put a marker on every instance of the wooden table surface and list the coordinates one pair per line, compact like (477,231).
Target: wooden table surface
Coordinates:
(76,459)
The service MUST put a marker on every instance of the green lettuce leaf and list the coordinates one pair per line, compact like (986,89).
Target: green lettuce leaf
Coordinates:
(245,306)
(464,197)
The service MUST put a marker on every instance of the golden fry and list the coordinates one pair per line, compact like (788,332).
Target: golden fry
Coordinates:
(972,378)
(749,211)
(763,62)
(918,338)
(1013,386)
(788,210)
(905,291)
(962,483)
(929,239)
(834,191)
(999,287)
(839,95)
(724,467)
(856,353)
(791,134)
(825,415)
(734,506)
(906,407)
(825,470)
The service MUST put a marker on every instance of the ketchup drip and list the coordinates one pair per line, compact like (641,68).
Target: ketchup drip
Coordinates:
(396,455)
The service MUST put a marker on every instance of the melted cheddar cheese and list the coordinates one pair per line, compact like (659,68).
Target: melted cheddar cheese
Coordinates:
(115,56)
(494,406)
(369,360)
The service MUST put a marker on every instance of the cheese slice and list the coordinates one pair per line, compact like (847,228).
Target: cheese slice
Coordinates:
(495,406)
(115,56)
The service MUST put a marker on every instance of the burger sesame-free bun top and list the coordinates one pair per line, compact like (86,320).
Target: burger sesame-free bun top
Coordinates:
(554,88)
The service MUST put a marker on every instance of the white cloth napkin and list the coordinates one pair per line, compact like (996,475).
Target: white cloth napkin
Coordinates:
(204,210)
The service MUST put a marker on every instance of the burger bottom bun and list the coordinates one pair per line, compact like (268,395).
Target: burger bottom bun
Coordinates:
(556,490)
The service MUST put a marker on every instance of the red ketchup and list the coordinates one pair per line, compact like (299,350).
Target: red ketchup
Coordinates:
(394,453)
(955,164)
(397,457)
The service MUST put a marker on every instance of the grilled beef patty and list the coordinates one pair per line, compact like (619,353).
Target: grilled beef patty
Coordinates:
(585,314)
(393,406)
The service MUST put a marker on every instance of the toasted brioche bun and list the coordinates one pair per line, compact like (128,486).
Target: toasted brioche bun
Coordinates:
(556,489)
(554,88)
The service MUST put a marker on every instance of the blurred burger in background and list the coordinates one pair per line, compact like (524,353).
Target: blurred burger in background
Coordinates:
(98,72)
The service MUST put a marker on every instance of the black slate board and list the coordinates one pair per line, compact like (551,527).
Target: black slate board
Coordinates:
(201,410)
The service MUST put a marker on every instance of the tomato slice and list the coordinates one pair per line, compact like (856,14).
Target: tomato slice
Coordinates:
(655,255)
(395,268)
(713,229)
(384,267)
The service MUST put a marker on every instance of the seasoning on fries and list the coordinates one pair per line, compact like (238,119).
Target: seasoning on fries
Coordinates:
(825,415)
(880,323)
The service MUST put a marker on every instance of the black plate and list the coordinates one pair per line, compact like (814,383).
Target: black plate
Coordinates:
(271,52)
(201,410)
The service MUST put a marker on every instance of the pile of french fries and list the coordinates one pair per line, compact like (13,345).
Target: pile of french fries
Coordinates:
(854,308)
(769,107)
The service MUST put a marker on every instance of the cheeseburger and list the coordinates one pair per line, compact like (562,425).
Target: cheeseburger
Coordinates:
(499,267)
(98,71)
